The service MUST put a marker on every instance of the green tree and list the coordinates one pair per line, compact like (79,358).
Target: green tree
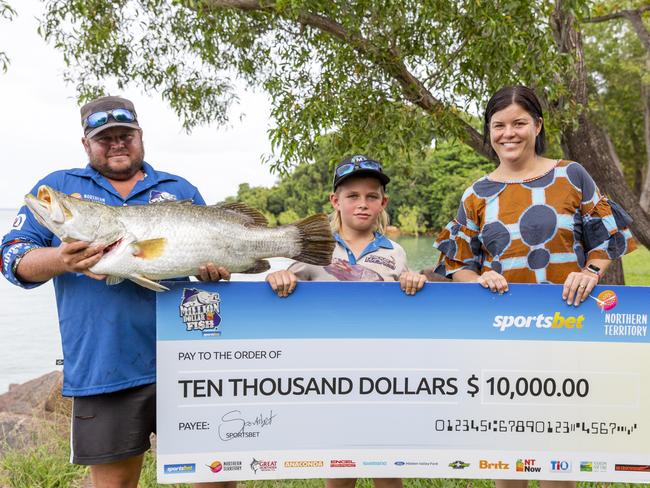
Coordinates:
(349,67)
(410,219)
(618,54)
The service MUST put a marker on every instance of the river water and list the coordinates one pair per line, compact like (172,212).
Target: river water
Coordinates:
(29,334)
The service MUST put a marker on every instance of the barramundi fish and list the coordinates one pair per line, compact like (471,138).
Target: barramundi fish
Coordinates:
(148,243)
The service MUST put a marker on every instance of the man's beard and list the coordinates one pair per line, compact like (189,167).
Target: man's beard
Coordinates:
(124,174)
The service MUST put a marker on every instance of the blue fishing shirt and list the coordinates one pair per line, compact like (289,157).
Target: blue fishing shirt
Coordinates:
(108,333)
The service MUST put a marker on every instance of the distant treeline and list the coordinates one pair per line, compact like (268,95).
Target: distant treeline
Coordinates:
(424,190)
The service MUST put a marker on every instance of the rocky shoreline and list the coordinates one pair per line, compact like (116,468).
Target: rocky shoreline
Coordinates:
(31,408)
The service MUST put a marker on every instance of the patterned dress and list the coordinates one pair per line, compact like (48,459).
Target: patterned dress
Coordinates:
(534,231)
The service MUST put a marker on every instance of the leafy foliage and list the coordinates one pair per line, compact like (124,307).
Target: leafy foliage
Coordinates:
(618,71)
(328,66)
(6,13)
(435,180)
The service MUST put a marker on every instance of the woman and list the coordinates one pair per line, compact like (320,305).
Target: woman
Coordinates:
(533,219)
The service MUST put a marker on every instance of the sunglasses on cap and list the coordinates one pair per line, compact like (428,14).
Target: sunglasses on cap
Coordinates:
(101,118)
(347,168)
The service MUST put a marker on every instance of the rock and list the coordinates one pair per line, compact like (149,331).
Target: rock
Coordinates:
(16,430)
(32,410)
(26,398)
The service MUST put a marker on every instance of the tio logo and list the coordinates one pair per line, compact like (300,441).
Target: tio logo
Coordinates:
(564,466)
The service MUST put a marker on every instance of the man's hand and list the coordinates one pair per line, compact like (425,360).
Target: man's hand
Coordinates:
(79,257)
(212,272)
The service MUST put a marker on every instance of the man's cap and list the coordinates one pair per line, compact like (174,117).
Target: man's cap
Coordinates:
(105,104)
(360,165)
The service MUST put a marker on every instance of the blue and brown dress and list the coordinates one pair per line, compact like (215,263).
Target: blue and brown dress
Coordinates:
(534,231)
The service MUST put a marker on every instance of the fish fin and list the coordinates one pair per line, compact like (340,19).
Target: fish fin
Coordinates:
(114,280)
(186,201)
(147,283)
(316,241)
(150,249)
(248,215)
(259,266)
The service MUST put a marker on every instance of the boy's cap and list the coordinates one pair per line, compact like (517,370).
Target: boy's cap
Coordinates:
(359,165)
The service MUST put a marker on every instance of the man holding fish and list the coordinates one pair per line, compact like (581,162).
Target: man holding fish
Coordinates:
(108,332)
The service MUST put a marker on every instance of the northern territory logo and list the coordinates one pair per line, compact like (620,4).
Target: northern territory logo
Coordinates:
(200,310)
(606,300)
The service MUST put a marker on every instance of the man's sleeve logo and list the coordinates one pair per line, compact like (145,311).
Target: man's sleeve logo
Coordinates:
(19,221)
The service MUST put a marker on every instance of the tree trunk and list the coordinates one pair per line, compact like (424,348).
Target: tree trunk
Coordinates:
(586,142)
(587,145)
(644,200)
(614,274)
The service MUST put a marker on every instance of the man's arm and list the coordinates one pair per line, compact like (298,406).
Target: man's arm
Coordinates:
(41,264)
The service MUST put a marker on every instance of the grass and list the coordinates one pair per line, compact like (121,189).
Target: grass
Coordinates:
(44,462)
(636,267)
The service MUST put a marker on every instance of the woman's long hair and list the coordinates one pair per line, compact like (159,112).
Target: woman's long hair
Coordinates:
(526,99)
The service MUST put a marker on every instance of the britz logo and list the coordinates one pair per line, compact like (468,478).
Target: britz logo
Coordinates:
(179,468)
(564,466)
(199,310)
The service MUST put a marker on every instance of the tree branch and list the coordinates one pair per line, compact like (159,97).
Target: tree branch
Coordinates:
(412,88)
(616,15)
(635,18)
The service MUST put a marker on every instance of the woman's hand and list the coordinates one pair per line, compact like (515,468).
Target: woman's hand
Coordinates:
(282,282)
(494,281)
(578,286)
(411,282)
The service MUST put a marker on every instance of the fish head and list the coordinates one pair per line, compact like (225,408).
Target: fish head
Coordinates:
(73,219)
(207,298)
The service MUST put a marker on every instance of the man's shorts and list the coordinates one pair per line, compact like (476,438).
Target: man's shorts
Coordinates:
(113,426)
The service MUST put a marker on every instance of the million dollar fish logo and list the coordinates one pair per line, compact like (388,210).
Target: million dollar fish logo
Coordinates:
(200,310)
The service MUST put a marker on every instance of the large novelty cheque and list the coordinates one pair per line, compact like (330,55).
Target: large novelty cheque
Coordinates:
(361,380)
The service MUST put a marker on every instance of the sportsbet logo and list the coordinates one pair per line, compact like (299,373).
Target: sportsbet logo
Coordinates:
(541,321)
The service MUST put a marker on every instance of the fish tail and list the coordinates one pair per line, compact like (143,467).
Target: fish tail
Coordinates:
(316,241)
